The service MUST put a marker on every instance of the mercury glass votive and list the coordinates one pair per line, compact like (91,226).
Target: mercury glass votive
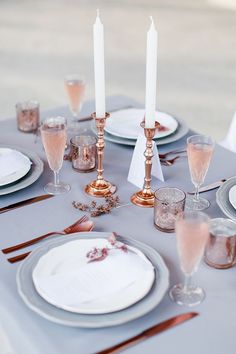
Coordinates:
(169,203)
(83,153)
(27,114)
(220,251)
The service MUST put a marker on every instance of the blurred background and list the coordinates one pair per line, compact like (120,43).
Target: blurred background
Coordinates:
(43,40)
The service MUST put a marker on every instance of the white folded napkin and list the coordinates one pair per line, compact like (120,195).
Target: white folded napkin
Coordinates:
(12,161)
(94,280)
(229,141)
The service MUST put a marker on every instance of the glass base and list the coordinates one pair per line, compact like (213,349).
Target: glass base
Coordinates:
(56,189)
(192,297)
(192,204)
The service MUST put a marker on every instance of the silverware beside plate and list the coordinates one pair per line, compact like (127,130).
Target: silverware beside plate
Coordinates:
(161,327)
(25,202)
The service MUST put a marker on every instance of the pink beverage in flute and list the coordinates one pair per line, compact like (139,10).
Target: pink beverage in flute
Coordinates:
(199,157)
(75,90)
(54,141)
(191,242)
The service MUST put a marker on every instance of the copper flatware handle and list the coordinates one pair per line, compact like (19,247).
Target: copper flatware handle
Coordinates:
(150,332)
(18,258)
(85,119)
(25,202)
(30,242)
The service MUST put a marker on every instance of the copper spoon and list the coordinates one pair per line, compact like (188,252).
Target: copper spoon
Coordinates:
(69,230)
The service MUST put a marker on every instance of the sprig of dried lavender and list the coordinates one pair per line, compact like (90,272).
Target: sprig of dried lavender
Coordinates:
(99,254)
(95,209)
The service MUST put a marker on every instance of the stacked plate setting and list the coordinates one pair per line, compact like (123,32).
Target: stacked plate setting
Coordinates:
(59,283)
(123,127)
(19,168)
(226,198)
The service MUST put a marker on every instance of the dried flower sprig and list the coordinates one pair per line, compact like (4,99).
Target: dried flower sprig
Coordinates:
(98,254)
(95,209)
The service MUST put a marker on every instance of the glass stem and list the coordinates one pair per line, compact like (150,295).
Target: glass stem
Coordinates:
(56,178)
(196,195)
(187,282)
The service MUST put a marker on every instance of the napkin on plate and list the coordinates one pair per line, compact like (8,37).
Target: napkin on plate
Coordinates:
(12,161)
(95,280)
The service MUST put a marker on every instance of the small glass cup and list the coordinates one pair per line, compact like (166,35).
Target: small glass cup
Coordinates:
(220,252)
(83,153)
(169,203)
(27,114)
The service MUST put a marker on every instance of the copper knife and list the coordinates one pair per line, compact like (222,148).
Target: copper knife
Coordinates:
(211,186)
(25,202)
(150,332)
(85,119)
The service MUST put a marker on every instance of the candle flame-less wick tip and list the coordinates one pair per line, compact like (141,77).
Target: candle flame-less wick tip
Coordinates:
(151,18)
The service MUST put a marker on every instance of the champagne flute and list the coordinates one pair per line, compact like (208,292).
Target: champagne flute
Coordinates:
(75,88)
(53,131)
(199,150)
(192,233)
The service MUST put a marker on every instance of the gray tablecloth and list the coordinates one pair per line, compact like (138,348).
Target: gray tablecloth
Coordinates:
(212,332)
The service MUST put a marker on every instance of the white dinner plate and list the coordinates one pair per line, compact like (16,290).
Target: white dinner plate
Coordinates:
(232,196)
(58,270)
(126,123)
(52,313)
(19,173)
(34,173)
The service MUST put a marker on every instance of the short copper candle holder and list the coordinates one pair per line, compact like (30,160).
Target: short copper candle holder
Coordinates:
(100,188)
(145,197)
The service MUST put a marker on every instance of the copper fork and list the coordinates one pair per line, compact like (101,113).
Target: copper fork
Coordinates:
(69,230)
(169,162)
(172,152)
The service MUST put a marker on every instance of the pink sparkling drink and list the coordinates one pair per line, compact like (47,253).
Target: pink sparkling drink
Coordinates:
(53,132)
(200,150)
(54,142)
(199,157)
(191,243)
(192,233)
(75,89)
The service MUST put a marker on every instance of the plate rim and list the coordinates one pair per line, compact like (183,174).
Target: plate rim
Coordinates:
(90,323)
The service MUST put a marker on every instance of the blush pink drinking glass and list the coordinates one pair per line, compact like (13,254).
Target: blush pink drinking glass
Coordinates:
(192,233)
(53,132)
(199,150)
(75,88)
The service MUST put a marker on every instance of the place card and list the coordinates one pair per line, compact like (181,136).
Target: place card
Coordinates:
(137,167)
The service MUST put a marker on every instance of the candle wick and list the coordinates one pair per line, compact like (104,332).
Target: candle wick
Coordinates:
(151,18)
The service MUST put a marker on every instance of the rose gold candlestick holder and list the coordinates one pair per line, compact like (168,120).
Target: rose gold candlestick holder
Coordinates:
(145,197)
(100,187)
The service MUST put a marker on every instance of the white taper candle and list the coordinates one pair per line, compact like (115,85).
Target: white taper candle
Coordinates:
(151,76)
(99,72)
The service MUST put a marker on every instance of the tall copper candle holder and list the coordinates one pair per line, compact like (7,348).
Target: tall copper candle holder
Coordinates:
(100,187)
(145,197)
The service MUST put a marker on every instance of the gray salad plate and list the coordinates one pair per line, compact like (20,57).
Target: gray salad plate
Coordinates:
(222,198)
(36,303)
(34,173)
